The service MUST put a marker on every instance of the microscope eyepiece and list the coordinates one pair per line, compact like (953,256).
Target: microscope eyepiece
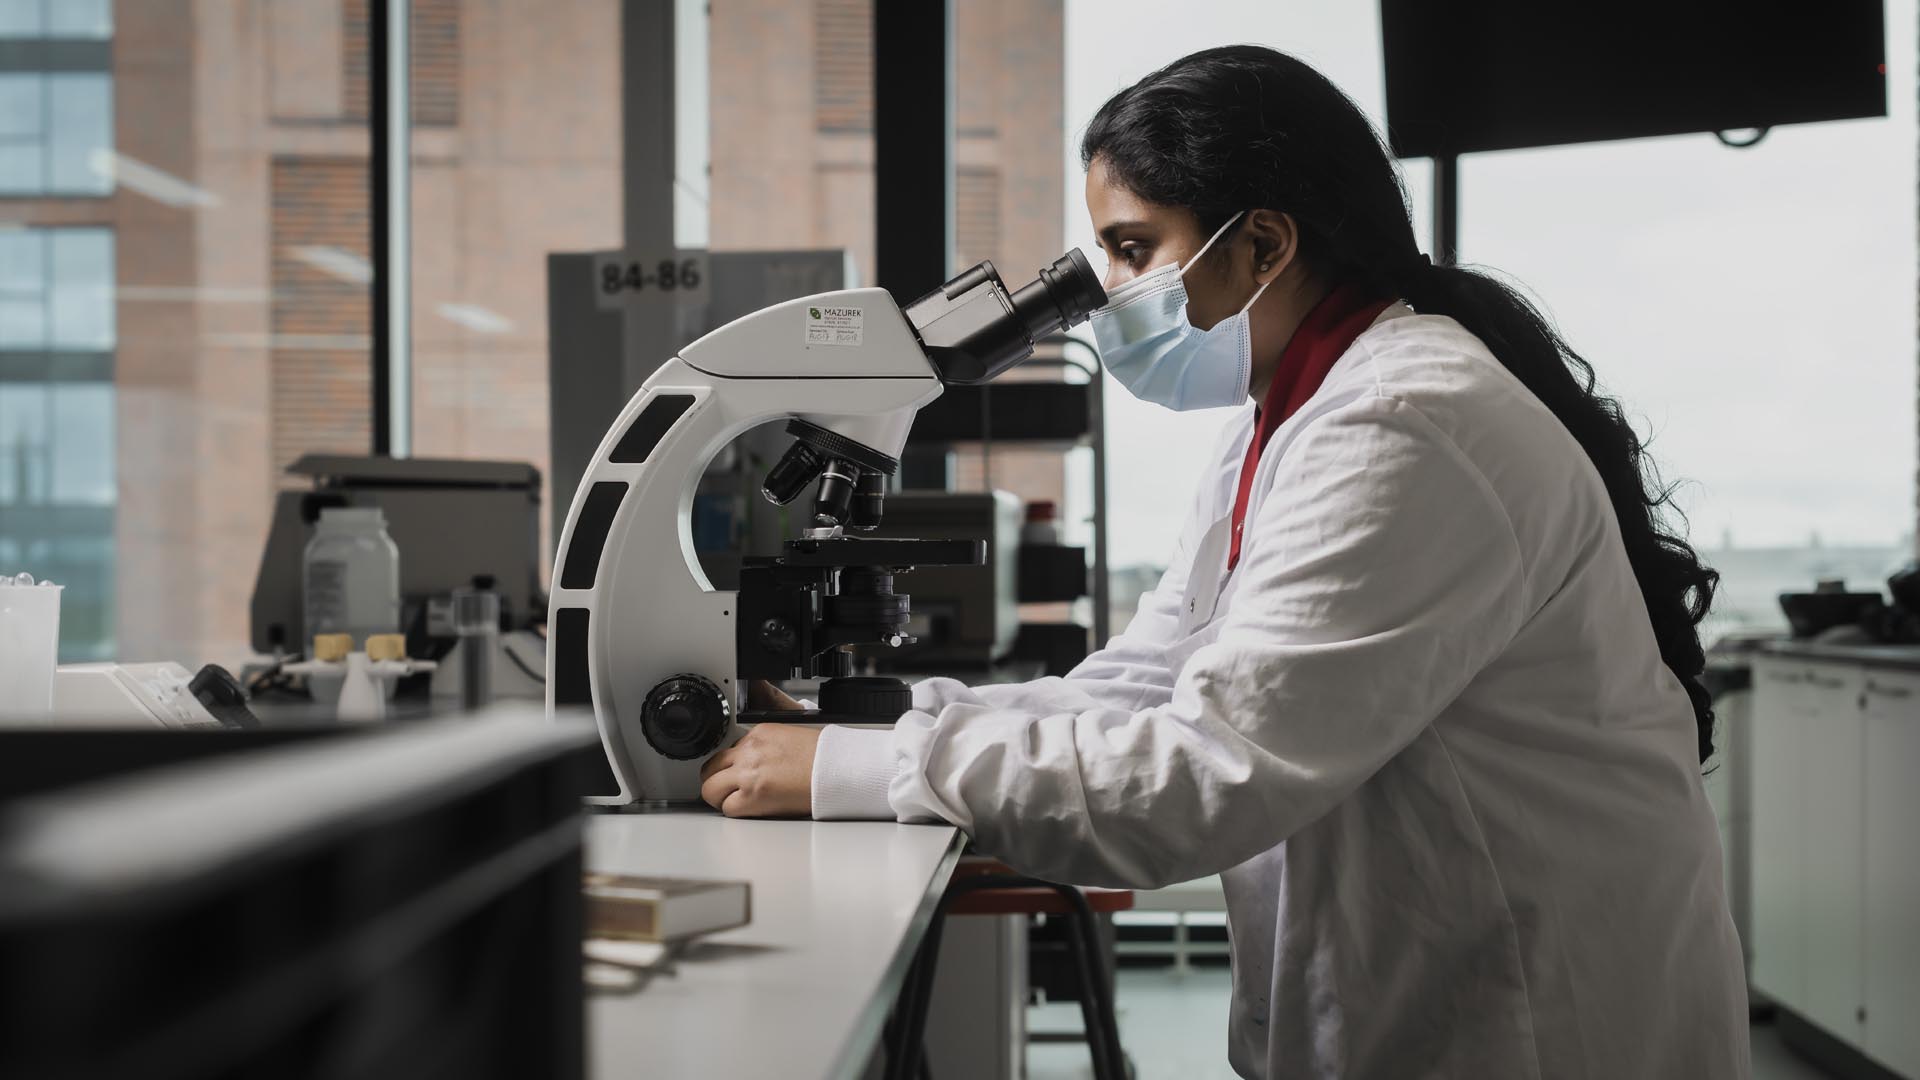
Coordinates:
(973,329)
(1065,295)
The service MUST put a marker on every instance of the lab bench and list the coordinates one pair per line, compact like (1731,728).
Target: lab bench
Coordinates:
(1834,751)
(802,991)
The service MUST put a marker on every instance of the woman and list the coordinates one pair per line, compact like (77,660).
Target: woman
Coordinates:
(1421,680)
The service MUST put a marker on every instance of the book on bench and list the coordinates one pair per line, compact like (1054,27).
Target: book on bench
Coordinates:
(632,907)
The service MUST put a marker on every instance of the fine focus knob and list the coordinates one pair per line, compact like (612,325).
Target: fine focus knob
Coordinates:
(685,717)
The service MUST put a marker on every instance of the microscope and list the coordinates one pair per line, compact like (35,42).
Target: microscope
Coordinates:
(637,633)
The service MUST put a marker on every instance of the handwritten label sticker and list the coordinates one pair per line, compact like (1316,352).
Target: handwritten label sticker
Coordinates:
(835,325)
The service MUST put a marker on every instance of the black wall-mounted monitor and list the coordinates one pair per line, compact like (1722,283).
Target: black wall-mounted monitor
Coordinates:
(1473,75)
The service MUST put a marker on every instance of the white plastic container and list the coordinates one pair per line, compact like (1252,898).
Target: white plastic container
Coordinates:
(29,650)
(351,576)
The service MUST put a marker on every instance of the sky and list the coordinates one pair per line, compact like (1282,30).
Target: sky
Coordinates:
(1754,310)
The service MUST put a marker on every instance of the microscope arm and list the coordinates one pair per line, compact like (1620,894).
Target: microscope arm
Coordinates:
(630,607)
(636,633)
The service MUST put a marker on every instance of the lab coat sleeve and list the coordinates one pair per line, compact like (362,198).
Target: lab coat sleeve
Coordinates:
(1377,581)
(853,767)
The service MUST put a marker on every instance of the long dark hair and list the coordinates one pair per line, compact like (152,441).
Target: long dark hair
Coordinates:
(1245,127)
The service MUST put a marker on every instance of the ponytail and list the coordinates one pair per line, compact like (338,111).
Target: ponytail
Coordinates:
(1245,126)
(1677,588)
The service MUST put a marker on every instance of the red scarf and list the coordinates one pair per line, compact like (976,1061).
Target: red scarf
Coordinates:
(1324,337)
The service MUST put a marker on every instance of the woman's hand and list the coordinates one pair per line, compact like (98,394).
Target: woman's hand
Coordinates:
(768,773)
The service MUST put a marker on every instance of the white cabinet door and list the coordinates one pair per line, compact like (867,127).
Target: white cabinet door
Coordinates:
(1833,850)
(1779,798)
(1893,870)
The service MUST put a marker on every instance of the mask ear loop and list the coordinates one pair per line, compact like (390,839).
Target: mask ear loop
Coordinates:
(1208,246)
(1204,248)
(1256,295)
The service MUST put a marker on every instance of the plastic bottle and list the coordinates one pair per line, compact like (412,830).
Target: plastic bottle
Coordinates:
(351,576)
(1042,528)
(476,618)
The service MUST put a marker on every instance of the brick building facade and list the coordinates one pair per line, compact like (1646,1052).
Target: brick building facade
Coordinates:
(239,222)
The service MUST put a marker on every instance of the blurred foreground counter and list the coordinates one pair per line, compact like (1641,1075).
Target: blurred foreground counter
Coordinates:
(802,991)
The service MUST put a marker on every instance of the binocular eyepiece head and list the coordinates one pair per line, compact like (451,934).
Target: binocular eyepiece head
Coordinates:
(973,329)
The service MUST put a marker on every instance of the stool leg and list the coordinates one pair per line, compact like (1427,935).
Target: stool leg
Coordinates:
(1083,943)
(1103,1029)
(1089,1007)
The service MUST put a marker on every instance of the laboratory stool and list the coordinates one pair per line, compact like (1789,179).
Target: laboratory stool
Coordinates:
(989,887)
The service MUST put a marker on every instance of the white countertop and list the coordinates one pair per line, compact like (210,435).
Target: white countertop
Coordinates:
(802,991)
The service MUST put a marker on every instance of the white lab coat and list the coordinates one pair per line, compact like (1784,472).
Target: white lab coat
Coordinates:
(1422,732)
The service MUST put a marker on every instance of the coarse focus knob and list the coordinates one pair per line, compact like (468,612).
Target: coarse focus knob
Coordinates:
(685,717)
(881,700)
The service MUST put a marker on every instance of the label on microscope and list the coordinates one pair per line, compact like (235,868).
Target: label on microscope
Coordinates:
(835,325)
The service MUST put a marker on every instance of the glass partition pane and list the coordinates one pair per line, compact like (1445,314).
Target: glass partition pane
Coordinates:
(1753,309)
(182,303)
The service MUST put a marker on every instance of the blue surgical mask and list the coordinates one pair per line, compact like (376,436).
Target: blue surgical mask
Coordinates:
(1147,343)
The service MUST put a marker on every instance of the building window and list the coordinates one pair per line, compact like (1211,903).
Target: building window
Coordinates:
(56,98)
(57,433)
(57,19)
(56,290)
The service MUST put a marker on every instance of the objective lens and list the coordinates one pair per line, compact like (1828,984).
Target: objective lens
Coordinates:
(869,500)
(787,479)
(831,502)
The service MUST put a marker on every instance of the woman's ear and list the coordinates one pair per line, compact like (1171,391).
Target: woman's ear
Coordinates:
(1276,239)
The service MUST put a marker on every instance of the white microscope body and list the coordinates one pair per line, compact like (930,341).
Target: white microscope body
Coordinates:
(636,632)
